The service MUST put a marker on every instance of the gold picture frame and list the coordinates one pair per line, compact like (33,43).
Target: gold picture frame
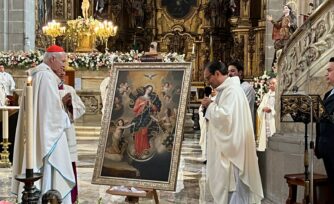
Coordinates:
(142,127)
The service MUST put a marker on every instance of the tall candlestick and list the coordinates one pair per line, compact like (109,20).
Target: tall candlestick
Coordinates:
(193,50)
(5,124)
(29,111)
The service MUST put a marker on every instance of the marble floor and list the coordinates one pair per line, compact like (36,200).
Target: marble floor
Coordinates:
(191,185)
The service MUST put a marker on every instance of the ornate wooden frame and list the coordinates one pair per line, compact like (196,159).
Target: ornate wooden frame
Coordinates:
(130,168)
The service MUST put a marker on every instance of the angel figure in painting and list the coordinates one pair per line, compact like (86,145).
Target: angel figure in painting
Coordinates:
(118,145)
(283,28)
(85,8)
(167,121)
(166,88)
(124,88)
(146,105)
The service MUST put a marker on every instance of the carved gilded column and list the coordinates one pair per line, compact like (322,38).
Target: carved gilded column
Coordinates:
(249,41)
(62,10)
(244,13)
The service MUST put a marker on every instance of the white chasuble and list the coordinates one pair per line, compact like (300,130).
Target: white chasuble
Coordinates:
(266,121)
(203,126)
(250,94)
(51,155)
(231,145)
(7,81)
(78,111)
(104,86)
(2,95)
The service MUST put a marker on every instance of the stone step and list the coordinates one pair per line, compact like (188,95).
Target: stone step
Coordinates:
(81,133)
(84,139)
(87,131)
(88,128)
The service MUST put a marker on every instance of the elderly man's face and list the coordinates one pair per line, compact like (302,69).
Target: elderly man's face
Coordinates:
(58,63)
(2,68)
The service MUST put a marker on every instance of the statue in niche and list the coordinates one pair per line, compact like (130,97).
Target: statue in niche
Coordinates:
(85,8)
(48,10)
(116,8)
(212,13)
(101,9)
(41,13)
(176,43)
(238,49)
(283,28)
(149,9)
(44,11)
(136,13)
(99,6)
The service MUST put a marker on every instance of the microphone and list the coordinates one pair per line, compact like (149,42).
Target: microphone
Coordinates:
(207,93)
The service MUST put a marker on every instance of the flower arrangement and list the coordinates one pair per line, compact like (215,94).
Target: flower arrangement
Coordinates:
(21,59)
(95,60)
(260,85)
(92,61)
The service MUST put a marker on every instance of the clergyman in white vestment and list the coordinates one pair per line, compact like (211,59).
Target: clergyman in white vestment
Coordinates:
(232,164)
(202,123)
(236,69)
(74,108)
(2,95)
(104,86)
(51,155)
(7,81)
(266,117)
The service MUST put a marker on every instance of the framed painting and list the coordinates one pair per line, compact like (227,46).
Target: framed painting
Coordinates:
(178,8)
(142,128)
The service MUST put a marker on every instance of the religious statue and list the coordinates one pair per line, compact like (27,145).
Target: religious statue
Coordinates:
(176,43)
(136,13)
(99,6)
(283,28)
(212,13)
(85,8)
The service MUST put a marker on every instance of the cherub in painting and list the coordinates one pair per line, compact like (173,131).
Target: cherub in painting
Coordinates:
(118,142)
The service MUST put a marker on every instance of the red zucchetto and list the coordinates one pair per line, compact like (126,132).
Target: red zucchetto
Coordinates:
(55,48)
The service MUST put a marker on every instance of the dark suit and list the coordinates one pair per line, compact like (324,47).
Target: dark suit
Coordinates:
(325,138)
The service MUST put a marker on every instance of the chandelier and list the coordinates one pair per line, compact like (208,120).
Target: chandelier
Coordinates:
(53,29)
(105,30)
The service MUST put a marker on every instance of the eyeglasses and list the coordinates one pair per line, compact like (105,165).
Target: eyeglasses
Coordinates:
(207,78)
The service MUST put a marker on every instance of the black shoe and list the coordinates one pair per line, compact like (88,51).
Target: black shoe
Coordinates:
(204,162)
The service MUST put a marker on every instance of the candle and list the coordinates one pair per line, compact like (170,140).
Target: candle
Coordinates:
(193,50)
(5,124)
(211,41)
(29,111)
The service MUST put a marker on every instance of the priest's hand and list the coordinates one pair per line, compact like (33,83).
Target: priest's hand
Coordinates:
(206,102)
(67,99)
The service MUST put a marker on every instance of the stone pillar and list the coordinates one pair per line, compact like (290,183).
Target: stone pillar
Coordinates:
(12,24)
(29,25)
(4,25)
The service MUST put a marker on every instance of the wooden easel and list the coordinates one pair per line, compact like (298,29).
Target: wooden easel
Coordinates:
(133,197)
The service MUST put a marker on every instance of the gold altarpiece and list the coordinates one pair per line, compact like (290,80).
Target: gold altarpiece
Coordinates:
(234,29)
